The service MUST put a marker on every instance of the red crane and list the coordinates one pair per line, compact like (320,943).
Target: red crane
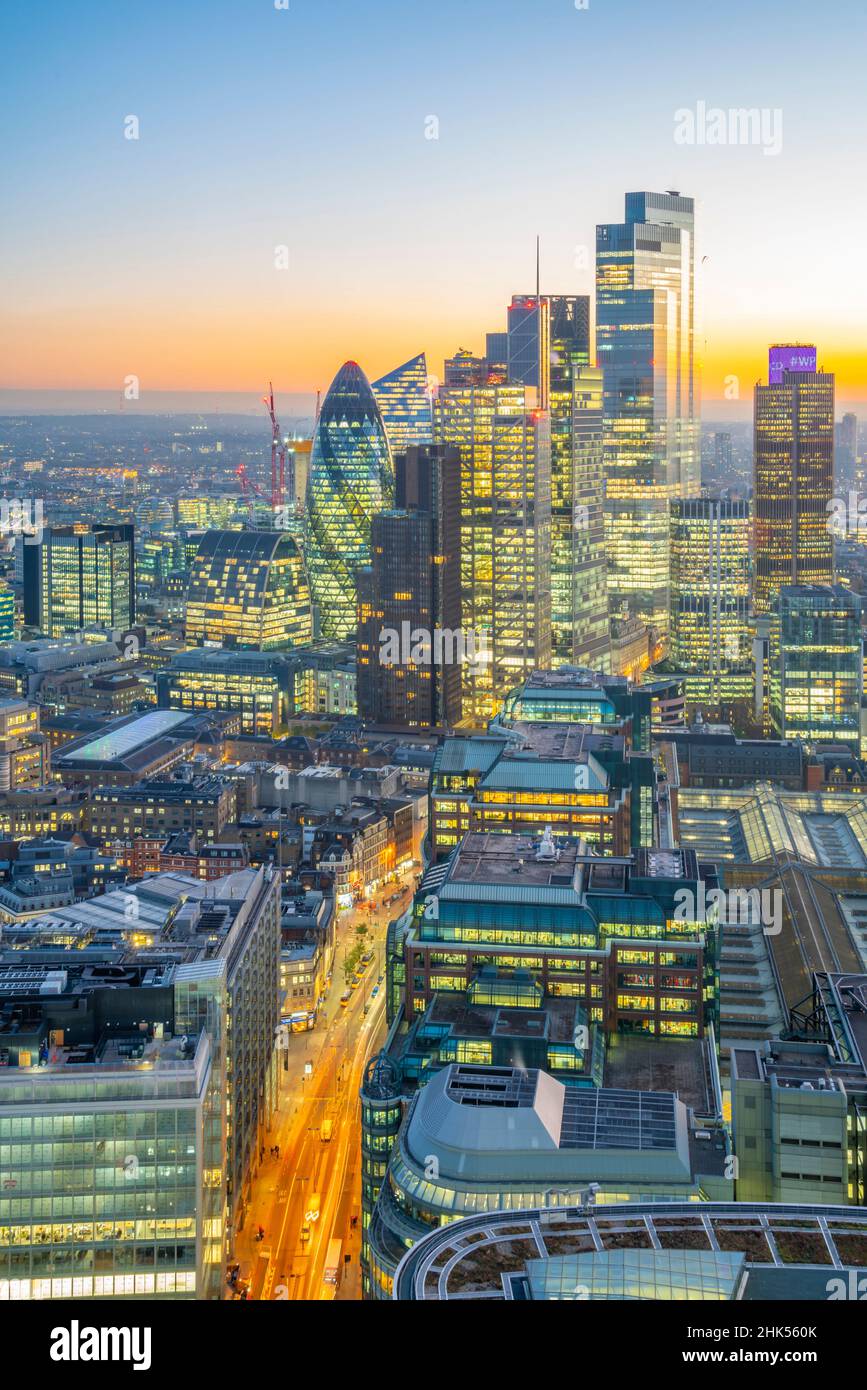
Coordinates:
(278,454)
(248,487)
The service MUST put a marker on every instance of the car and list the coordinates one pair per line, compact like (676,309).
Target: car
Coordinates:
(374,992)
(345,998)
(305,1233)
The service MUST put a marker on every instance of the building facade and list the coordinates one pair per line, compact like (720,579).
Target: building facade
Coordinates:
(816,663)
(248,590)
(645,347)
(351,478)
(793,451)
(504,447)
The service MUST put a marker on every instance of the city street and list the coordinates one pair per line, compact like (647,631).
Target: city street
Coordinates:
(315,1184)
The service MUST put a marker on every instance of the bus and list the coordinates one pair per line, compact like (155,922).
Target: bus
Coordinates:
(334,1262)
(301,1021)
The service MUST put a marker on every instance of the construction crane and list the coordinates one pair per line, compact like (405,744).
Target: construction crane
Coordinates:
(248,487)
(278,456)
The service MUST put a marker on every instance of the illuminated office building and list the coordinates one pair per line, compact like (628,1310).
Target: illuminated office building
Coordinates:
(793,480)
(403,397)
(409,613)
(504,444)
(351,478)
(7,615)
(205,512)
(248,589)
(579,588)
(465,369)
(644,342)
(256,685)
(846,452)
(816,675)
(710,597)
(78,577)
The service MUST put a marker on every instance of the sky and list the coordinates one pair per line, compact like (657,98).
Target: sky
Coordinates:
(283,207)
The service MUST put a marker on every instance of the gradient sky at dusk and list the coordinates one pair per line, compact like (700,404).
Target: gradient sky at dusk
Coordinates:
(306,127)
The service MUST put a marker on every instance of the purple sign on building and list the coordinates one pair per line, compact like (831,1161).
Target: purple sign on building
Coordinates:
(789,357)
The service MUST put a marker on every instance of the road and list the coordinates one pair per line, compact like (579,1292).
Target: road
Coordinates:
(336,1051)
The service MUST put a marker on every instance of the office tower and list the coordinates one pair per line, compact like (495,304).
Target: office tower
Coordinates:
(78,577)
(529,343)
(257,686)
(722,455)
(465,369)
(497,355)
(579,594)
(7,614)
(504,444)
(350,479)
(846,460)
(200,511)
(408,650)
(644,340)
(816,665)
(148,1068)
(248,589)
(710,595)
(403,397)
(793,453)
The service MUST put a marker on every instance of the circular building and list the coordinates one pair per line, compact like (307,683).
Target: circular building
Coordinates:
(350,479)
(248,590)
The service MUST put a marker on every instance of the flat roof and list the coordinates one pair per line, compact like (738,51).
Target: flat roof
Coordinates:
(117,743)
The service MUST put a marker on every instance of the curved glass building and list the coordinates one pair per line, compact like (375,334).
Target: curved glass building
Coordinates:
(248,590)
(350,479)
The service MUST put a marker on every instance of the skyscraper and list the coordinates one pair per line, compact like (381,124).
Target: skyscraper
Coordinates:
(579,596)
(350,479)
(846,459)
(710,597)
(644,339)
(504,444)
(78,577)
(409,598)
(529,343)
(403,397)
(248,591)
(793,454)
(816,665)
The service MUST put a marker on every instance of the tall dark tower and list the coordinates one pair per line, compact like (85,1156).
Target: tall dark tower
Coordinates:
(793,475)
(409,597)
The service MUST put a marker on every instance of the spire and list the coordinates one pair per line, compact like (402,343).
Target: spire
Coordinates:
(537,268)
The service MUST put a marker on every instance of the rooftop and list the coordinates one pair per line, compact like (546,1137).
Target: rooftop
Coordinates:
(641,1250)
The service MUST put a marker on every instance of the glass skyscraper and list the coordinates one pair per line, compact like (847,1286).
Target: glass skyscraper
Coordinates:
(529,343)
(248,589)
(816,665)
(579,596)
(351,478)
(505,449)
(710,595)
(793,455)
(403,397)
(79,577)
(644,338)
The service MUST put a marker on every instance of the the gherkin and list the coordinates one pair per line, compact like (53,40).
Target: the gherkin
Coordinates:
(351,478)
